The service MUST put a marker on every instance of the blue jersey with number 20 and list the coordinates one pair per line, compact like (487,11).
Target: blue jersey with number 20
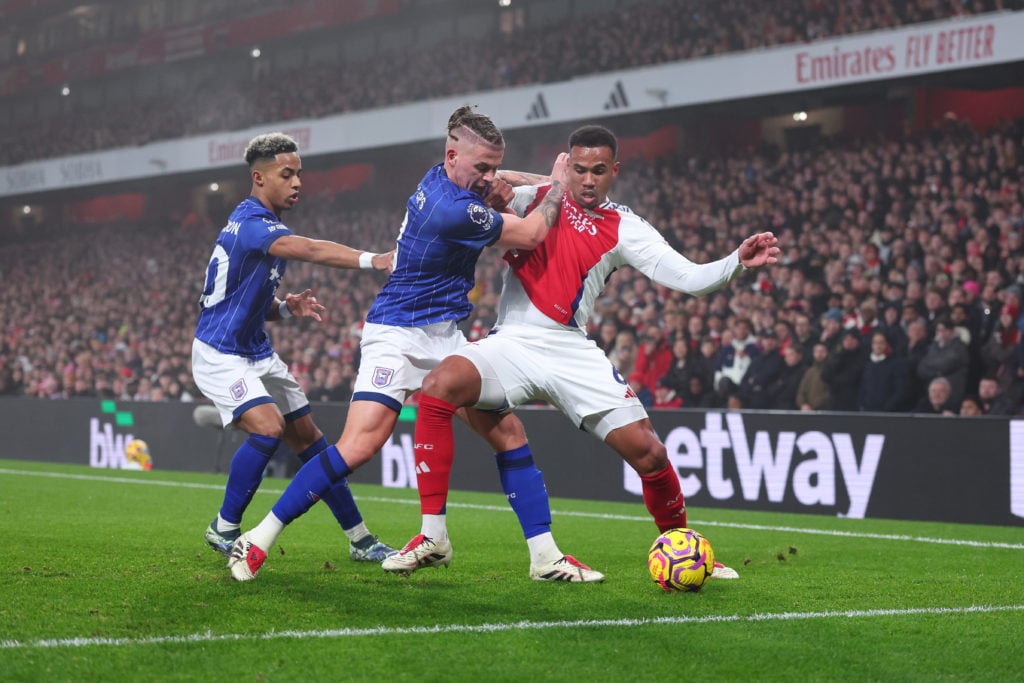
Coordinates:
(241,280)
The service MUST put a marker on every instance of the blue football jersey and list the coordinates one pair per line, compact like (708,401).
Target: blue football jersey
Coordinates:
(444,231)
(241,280)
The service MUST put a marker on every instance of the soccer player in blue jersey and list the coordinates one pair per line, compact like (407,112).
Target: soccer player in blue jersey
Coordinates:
(232,360)
(412,326)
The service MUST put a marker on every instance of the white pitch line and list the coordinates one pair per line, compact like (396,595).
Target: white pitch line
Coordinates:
(385,631)
(965,542)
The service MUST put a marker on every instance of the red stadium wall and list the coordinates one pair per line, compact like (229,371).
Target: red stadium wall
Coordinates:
(129,206)
(982,108)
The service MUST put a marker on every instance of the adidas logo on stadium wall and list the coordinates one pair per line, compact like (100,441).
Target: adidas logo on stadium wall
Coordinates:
(539,109)
(617,99)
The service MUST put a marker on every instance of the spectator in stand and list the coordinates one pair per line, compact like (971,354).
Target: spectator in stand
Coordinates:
(803,332)
(946,357)
(685,364)
(990,307)
(843,372)
(935,308)
(765,368)
(734,357)
(783,391)
(939,400)
(623,355)
(894,332)
(653,359)
(993,400)
(970,407)
(665,397)
(698,393)
(813,392)
(831,329)
(883,387)
(999,354)
(868,319)
(605,339)
(917,346)
(783,335)
(695,331)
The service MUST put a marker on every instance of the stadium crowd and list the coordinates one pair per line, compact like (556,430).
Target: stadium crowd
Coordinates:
(638,34)
(900,289)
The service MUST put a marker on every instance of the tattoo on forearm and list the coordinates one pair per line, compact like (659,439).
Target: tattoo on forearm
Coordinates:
(552,203)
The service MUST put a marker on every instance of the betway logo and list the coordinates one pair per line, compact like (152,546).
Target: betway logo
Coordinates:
(106,449)
(398,465)
(804,462)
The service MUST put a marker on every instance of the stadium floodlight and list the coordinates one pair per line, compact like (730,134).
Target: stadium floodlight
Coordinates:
(65,90)
(800,116)
(255,53)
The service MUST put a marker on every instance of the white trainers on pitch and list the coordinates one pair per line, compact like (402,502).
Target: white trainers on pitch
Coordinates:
(246,559)
(422,551)
(565,568)
(722,572)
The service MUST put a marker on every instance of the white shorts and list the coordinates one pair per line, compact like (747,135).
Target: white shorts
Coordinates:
(521,363)
(394,360)
(236,384)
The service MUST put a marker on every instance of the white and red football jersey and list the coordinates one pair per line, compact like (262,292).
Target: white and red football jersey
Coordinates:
(563,277)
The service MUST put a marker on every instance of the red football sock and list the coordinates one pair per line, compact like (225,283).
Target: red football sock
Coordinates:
(433,452)
(664,498)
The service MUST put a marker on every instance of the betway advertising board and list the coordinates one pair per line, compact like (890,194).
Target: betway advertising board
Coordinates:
(951,469)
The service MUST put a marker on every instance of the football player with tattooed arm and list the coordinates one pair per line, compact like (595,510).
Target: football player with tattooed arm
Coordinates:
(413,325)
(539,350)
(233,362)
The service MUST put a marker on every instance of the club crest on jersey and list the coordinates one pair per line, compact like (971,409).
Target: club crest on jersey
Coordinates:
(238,390)
(479,214)
(382,377)
(420,198)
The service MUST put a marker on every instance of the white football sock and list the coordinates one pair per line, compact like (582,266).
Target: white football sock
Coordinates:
(358,532)
(224,525)
(434,526)
(543,549)
(265,534)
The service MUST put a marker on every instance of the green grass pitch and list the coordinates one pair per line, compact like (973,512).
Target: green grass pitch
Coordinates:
(105,577)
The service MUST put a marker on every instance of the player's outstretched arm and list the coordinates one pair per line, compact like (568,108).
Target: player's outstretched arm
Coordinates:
(675,271)
(529,232)
(327,253)
(303,305)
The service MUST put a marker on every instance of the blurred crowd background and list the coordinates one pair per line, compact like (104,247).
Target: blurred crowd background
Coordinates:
(900,287)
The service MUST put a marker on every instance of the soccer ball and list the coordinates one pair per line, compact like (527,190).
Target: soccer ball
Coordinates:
(681,560)
(136,452)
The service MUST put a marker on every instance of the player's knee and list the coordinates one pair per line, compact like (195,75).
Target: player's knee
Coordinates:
(443,384)
(271,431)
(653,459)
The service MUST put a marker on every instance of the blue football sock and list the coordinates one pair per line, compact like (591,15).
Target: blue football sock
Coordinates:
(524,487)
(310,483)
(339,498)
(247,468)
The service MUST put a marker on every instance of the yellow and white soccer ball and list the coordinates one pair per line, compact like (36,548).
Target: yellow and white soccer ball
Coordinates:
(136,452)
(681,560)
